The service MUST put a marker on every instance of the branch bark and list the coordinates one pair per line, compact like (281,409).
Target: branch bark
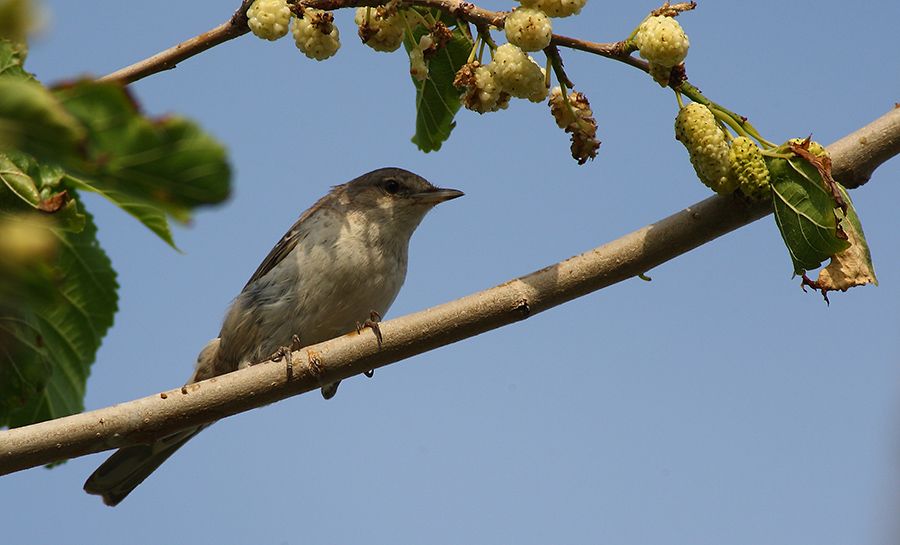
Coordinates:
(169,59)
(237,26)
(145,419)
(864,151)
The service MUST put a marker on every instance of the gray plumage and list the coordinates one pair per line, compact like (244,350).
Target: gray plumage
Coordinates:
(344,258)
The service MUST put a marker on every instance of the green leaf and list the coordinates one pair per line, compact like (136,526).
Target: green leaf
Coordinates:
(149,167)
(69,217)
(21,184)
(33,121)
(38,186)
(12,57)
(804,213)
(437,100)
(49,342)
(153,217)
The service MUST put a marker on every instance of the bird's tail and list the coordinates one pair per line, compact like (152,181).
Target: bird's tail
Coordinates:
(129,466)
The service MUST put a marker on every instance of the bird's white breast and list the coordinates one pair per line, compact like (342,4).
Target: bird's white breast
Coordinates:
(341,269)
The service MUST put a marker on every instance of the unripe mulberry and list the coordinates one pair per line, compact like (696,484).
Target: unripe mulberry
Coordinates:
(315,34)
(269,19)
(815,148)
(530,29)
(383,30)
(518,74)
(556,8)
(481,93)
(578,120)
(705,141)
(749,169)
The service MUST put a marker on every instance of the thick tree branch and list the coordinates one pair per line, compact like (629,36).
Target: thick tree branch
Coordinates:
(864,151)
(151,417)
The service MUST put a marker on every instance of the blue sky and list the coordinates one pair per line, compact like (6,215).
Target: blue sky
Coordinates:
(716,404)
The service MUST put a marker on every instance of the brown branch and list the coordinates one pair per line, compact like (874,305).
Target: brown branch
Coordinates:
(237,26)
(610,50)
(152,417)
(168,59)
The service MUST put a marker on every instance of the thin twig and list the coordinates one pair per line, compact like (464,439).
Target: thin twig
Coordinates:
(556,61)
(672,10)
(149,418)
(237,26)
(168,59)
(610,50)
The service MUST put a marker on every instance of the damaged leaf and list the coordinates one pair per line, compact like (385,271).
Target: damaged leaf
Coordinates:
(804,213)
(853,266)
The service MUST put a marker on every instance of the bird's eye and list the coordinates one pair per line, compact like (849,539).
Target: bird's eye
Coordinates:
(392,186)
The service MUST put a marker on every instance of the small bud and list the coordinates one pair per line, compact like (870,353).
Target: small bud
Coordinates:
(418,68)
(815,148)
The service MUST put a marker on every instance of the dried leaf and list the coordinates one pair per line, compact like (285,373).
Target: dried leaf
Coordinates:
(853,266)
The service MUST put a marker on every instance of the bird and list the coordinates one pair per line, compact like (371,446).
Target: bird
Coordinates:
(342,262)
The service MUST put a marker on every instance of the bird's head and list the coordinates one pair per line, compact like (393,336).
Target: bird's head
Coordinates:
(394,195)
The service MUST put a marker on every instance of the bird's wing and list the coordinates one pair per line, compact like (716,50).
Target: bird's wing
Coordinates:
(287,243)
(279,252)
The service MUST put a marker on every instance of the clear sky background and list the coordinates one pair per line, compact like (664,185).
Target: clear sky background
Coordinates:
(717,404)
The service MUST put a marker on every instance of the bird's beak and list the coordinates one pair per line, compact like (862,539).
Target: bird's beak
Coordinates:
(437,195)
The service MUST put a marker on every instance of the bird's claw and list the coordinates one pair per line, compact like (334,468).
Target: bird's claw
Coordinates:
(371,323)
(285,352)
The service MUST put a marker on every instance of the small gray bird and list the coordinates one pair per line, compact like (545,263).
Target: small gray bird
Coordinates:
(342,261)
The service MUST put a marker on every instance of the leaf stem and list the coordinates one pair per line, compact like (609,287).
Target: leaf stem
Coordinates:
(746,128)
(419,16)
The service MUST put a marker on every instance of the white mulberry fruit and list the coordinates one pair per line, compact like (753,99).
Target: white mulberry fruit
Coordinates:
(749,169)
(315,34)
(269,19)
(662,41)
(528,28)
(383,30)
(518,74)
(705,141)
(576,119)
(556,8)
(482,92)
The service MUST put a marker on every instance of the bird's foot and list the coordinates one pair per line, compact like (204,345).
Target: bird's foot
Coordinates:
(285,353)
(371,323)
